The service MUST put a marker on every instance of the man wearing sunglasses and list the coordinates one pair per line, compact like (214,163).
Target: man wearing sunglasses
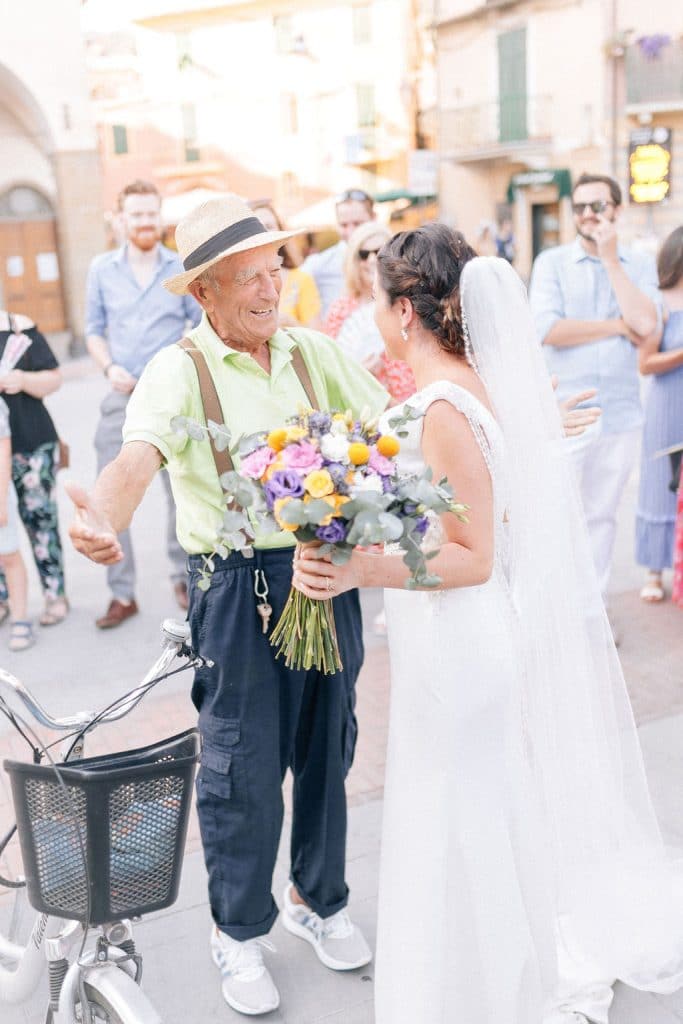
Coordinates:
(353,208)
(594,301)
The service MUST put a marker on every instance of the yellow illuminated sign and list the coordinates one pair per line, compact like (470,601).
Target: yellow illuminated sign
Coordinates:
(650,168)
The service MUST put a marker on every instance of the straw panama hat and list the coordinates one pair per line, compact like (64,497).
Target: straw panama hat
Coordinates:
(218,228)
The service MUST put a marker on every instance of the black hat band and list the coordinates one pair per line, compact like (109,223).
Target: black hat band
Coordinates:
(225,239)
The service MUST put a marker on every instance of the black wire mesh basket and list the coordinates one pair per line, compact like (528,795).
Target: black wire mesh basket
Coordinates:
(107,841)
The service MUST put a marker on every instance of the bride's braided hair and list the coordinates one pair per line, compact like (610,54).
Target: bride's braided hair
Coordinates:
(424,266)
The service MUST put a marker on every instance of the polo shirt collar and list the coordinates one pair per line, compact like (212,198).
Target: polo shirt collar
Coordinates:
(578,253)
(281,345)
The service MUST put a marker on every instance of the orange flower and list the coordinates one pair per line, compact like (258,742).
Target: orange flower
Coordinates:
(388,446)
(277,439)
(359,453)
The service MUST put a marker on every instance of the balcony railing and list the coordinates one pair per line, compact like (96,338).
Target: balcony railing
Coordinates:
(655,80)
(497,126)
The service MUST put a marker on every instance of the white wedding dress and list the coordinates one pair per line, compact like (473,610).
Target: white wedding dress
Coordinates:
(522,869)
(461,905)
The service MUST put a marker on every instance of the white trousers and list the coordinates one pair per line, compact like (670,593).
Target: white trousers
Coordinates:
(604,463)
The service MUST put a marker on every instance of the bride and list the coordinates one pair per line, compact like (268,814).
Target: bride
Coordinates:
(522,870)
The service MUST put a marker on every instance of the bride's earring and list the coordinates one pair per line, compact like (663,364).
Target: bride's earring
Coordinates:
(404,333)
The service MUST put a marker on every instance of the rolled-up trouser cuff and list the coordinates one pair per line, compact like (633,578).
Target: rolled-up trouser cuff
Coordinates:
(242,932)
(320,910)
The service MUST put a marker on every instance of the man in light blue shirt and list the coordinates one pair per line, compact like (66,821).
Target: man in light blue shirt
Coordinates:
(130,317)
(353,208)
(593,302)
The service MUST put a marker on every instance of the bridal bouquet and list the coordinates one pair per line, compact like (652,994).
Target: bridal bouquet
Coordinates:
(330,480)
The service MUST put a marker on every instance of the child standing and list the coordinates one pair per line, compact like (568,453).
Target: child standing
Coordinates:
(11,562)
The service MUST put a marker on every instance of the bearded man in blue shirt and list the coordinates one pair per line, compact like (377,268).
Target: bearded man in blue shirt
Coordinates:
(131,317)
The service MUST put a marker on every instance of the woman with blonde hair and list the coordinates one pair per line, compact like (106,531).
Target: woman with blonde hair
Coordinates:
(351,318)
(299,299)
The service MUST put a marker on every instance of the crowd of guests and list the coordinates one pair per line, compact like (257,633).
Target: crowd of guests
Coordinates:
(604,313)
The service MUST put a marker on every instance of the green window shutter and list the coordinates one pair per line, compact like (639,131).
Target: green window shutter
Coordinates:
(120,139)
(512,90)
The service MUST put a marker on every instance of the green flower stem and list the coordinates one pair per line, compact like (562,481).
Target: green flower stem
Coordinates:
(306,634)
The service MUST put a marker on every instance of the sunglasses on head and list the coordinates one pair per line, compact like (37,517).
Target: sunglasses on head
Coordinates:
(353,193)
(597,206)
(365,254)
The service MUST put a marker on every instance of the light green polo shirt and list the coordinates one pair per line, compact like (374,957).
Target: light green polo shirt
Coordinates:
(251,400)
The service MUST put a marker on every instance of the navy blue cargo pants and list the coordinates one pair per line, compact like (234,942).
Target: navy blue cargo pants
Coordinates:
(257,719)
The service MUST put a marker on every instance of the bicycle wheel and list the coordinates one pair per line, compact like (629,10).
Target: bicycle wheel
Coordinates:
(116,999)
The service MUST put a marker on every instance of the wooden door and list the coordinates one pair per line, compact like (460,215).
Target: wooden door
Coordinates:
(30,280)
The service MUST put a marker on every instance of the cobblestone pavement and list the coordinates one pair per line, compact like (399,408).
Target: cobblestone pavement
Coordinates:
(74,666)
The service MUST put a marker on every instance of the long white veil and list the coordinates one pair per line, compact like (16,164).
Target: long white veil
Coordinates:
(618,892)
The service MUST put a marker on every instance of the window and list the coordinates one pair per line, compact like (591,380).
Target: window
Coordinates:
(512,86)
(365,105)
(189,117)
(120,139)
(362,24)
(183,50)
(284,33)
(290,113)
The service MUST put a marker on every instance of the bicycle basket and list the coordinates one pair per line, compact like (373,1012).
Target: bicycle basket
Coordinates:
(130,810)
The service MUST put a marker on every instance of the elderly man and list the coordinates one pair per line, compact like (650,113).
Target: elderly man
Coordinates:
(353,208)
(130,318)
(257,718)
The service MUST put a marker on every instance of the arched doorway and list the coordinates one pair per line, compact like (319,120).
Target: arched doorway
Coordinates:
(30,279)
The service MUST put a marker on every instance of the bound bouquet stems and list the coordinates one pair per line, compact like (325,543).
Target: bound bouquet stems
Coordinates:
(306,635)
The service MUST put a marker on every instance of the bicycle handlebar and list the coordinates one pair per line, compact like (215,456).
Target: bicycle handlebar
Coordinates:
(175,635)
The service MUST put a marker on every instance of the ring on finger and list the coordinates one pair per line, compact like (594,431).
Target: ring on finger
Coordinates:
(328,583)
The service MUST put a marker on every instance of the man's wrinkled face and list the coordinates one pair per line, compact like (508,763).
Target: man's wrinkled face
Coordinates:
(592,204)
(243,301)
(351,215)
(141,220)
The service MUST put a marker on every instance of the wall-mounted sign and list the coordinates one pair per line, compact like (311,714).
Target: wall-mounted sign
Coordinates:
(649,161)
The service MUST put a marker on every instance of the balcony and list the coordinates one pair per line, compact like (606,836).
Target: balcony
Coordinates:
(655,83)
(508,127)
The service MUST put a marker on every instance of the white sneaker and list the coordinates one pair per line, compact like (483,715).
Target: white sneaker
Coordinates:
(338,943)
(247,984)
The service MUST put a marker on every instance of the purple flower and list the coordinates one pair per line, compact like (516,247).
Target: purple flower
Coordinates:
(333,533)
(421,526)
(319,423)
(284,483)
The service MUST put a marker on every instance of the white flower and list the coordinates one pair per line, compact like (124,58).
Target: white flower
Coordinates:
(366,483)
(335,447)
(339,427)
(31,481)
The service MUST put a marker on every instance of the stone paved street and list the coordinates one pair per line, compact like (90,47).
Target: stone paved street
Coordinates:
(74,666)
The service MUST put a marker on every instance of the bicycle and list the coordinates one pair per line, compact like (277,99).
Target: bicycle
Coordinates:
(102,841)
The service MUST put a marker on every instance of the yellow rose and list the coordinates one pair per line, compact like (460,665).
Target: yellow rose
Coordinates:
(318,483)
(388,446)
(335,501)
(278,505)
(294,434)
(277,439)
(359,453)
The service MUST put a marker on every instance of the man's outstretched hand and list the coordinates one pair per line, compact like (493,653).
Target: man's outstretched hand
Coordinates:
(576,421)
(90,532)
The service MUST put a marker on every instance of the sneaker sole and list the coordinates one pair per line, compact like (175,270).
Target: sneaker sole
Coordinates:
(303,933)
(233,1003)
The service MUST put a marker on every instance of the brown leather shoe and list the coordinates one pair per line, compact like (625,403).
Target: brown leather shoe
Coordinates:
(116,613)
(181,595)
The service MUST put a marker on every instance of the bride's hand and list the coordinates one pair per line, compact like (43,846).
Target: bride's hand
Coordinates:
(317,577)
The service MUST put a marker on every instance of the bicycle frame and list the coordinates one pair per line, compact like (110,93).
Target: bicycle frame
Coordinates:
(107,973)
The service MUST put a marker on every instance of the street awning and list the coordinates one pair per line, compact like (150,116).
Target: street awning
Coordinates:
(529,179)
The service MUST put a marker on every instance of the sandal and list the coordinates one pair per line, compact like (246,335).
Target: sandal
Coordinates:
(653,591)
(55,611)
(21,635)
